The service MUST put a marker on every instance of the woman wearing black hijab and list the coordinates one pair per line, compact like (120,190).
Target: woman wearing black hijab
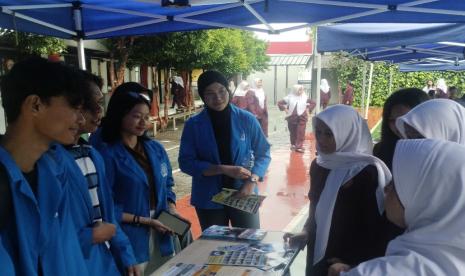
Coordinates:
(222,147)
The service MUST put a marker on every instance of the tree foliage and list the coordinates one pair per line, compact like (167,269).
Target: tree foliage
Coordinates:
(350,68)
(28,44)
(227,50)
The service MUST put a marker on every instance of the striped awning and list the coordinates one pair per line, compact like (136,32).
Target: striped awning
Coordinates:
(283,60)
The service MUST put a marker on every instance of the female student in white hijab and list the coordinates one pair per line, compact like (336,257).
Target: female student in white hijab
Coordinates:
(325,93)
(441,89)
(259,108)
(346,222)
(297,105)
(440,119)
(254,101)
(427,198)
(239,98)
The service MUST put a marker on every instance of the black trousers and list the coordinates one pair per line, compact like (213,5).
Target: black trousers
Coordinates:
(238,218)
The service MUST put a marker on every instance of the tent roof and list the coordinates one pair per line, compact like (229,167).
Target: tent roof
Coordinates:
(91,19)
(396,43)
(431,67)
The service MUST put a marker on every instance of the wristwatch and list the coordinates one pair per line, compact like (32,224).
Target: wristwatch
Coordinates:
(253,179)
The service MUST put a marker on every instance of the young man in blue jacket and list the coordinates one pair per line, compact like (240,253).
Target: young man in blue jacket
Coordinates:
(91,198)
(42,106)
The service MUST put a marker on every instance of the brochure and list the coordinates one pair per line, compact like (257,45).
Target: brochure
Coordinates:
(248,204)
(238,258)
(233,233)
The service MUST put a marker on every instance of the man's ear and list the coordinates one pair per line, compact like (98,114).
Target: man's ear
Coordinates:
(32,104)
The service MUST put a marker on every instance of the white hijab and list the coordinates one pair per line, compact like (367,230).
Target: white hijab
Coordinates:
(294,100)
(259,93)
(441,119)
(179,81)
(429,177)
(241,89)
(441,84)
(353,153)
(324,86)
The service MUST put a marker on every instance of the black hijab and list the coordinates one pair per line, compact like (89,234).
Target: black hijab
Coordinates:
(220,120)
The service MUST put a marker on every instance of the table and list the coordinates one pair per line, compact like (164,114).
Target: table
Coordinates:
(199,250)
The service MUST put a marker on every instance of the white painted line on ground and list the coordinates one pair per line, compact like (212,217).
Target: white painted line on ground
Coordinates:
(172,148)
(297,220)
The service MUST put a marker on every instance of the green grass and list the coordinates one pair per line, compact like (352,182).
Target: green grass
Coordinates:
(376,132)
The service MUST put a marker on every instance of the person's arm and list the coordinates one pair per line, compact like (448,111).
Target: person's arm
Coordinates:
(190,164)
(120,244)
(310,105)
(147,222)
(188,159)
(171,196)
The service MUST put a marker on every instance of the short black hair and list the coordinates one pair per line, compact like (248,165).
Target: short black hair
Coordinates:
(133,87)
(37,76)
(87,79)
(409,97)
(120,105)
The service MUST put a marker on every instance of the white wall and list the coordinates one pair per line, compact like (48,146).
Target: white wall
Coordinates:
(268,80)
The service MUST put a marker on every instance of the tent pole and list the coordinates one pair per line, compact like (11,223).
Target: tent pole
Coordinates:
(369,90)
(390,79)
(275,80)
(77,16)
(287,77)
(317,62)
(81,54)
(317,86)
(364,81)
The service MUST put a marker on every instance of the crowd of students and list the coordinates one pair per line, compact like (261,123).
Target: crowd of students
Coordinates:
(74,207)
(393,210)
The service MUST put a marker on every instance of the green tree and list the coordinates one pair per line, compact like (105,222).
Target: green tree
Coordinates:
(32,44)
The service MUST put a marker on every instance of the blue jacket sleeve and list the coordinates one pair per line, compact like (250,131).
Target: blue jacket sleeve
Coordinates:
(261,149)
(188,159)
(120,244)
(110,171)
(85,236)
(169,181)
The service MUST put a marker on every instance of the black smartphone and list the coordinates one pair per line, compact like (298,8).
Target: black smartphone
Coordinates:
(179,225)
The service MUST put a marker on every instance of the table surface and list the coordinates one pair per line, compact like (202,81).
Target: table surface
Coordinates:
(199,251)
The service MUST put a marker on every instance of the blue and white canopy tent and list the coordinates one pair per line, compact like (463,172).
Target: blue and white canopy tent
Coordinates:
(92,19)
(412,46)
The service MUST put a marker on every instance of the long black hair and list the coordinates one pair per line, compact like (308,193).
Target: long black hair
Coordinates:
(409,97)
(119,106)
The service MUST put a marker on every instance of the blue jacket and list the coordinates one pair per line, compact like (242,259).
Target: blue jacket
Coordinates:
(98,257)
(6,263)
(43,228)
(131,191)
(199,151)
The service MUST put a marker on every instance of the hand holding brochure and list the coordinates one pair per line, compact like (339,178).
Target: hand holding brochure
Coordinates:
(249,204)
